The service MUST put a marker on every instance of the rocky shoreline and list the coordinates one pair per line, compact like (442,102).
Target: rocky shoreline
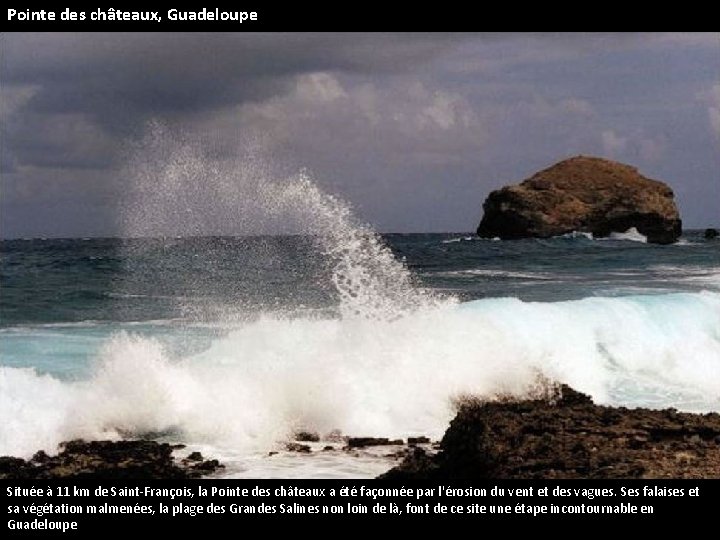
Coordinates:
(560,435)
(100,460)
(567,436)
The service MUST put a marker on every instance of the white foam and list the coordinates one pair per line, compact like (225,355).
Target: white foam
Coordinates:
(492,272)
(576,234)
(463,239)
(33,411)
(631,235)
(372,377)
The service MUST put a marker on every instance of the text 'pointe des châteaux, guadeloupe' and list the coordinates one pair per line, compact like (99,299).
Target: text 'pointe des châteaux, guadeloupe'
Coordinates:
(117,15)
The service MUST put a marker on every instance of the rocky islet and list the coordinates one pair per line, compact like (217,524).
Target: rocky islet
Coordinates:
(583,194)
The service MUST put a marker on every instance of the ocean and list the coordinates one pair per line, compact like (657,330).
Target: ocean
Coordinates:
(230,344)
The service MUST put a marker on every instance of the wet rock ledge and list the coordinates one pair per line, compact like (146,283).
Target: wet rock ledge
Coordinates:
(568,436)
(109,460)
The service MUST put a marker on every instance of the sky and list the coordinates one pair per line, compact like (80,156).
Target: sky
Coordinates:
(414,130)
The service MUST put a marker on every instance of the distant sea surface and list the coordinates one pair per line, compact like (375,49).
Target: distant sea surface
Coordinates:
(230,344)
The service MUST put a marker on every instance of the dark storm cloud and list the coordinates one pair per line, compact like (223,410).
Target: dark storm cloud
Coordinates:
(111,74)
(96,86)
(414,129)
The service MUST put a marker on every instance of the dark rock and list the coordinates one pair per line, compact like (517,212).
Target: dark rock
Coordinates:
(208,465)
(15,468)
(296,447)
(307,436)
(328,448)
(566,435)
(417,465)
(271,453)
(585,194)
(711,233)
(570,397)
(194,456)
(40,457)
(361,442)
(106,460)
(418,440)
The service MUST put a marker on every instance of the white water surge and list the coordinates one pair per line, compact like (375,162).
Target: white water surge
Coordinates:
(389,363)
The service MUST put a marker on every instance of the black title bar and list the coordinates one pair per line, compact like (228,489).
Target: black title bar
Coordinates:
(249,17)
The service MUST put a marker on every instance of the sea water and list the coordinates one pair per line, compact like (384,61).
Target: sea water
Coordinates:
(230,344)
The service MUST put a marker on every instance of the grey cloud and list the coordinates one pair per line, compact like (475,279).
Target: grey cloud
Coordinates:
(180,72)
(119,81)
(414,129)
(714,109)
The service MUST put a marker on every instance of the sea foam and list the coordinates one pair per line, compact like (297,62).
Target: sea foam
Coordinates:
(254,386)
